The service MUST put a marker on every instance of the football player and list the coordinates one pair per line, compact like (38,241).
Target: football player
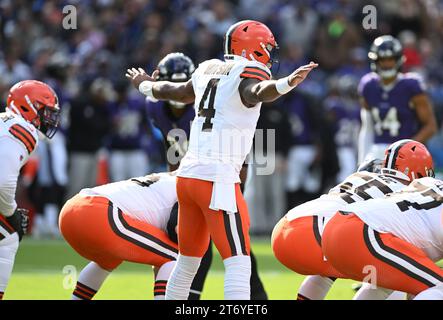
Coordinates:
(392,242)
(296,239)
(394,105)
(122,221)
(32,107)
(228,95)
(174,119)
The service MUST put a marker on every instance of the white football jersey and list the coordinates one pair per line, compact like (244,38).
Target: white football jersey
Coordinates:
(149,198)
(413,214)
(223,128)
(18,140)
(359,186)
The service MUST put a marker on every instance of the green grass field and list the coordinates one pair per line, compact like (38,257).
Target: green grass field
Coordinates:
(45,269)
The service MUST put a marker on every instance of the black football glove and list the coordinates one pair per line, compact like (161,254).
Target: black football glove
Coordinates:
(19,221)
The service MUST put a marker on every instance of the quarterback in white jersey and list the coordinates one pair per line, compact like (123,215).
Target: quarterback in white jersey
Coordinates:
(297,238)
(228,95)
(126,221)
(32,106)
(400,236)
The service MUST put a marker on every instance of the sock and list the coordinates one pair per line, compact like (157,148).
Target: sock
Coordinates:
(237,278)
(181,278)
(433,293)
(200,277)
(89,282)
(162,279)
(8,249)
(367,292)
(315,288)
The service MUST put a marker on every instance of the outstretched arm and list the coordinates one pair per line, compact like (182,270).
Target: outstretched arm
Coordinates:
(161,90)
(253,91)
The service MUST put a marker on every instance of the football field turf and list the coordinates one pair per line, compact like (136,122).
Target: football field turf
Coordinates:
(46,269)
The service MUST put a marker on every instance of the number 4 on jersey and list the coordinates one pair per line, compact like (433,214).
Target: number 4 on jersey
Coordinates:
(209,112)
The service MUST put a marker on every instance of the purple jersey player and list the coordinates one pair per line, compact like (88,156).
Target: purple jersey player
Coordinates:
(395,105)
(174,123)
(173,118)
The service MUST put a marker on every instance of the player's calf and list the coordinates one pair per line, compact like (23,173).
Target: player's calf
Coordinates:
(181,278)
(237,278)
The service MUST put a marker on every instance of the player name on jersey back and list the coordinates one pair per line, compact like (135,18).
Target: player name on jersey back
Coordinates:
(223,128)
(359,186)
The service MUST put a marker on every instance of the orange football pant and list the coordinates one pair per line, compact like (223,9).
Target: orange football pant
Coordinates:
(297,245)
(360,252)
(101,232)
(197,223)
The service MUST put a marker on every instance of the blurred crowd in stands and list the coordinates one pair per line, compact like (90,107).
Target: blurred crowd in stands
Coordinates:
(105,122)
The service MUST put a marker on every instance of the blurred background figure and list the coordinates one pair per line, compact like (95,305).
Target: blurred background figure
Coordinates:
(394,105)
(303,178)
(90,123)
(343,114)
(265,194)
(128,135)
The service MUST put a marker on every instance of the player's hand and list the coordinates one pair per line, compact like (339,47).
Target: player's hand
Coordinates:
(300,74)
(139,75)
(19,221)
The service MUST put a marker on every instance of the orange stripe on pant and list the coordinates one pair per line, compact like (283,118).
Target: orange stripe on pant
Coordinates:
(355,249)
(87,225)
(197,223)
(296,244)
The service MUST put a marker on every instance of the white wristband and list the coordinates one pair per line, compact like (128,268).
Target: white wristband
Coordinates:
(282,86)
(146,88)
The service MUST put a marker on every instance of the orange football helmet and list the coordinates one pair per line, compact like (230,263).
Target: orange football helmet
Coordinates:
(410,158)
(252,40)
(37,103)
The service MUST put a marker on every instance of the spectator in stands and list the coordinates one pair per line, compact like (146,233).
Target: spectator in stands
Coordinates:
(89,126)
